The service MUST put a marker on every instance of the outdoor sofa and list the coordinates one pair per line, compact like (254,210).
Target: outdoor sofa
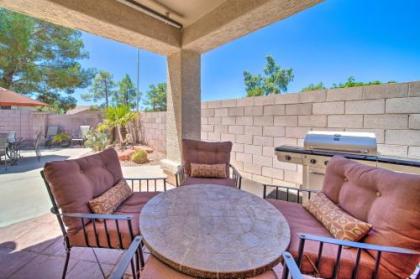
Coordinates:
(387,200)
(71,184)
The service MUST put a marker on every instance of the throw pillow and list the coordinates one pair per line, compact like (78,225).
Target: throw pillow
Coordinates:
(339,223)
(204,170)
(108,202)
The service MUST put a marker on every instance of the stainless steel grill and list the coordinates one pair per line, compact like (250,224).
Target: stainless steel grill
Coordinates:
(320,146)
(343,142)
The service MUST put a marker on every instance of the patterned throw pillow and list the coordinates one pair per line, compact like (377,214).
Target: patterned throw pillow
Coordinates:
(340,224)
(204,170)
(108,202)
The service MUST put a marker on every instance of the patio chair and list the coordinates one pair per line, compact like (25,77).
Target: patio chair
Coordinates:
(51,132)
(81,137)
(129,258)
(3,150)
(292,267)
(71,184)
(387,200)
(201,152)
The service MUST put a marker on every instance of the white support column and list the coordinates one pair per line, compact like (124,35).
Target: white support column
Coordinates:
(183,116)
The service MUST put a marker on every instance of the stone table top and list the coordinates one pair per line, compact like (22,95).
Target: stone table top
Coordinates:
(212,231)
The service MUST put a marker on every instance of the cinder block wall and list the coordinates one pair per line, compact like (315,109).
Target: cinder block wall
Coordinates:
(153,129)
(256,125)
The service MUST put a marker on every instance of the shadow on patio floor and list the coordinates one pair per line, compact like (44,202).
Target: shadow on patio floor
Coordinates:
(29,163)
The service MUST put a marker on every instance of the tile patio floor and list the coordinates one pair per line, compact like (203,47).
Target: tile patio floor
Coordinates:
(34,249)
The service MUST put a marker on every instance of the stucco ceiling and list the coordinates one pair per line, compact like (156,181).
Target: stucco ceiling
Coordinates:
(185,12)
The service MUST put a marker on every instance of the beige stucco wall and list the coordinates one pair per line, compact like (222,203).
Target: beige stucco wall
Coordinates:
(256,125)
(153,130)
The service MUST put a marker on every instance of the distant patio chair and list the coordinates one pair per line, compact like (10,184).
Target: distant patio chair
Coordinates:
(208,153)
(37,145)
(51,132)
(3,149)
(81,137)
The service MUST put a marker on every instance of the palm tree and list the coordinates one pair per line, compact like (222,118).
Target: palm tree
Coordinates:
(118,118)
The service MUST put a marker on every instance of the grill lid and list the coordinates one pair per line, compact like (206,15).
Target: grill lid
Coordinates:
(345,142)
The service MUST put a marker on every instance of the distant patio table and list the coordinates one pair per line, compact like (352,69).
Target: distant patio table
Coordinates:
(212,231)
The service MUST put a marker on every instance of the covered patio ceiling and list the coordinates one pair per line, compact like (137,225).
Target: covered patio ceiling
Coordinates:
(203,25)
(180,30)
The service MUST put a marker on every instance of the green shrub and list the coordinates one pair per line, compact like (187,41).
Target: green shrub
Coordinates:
(139,157)
(96,140)
(61,138)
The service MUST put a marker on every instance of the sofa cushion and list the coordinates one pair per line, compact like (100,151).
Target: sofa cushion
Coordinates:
(75,182)
(208,170)
(217,181)
(340,224)
(387,200)
(108,202)
(301,221)
(135,202)
(202,152)
(132,206)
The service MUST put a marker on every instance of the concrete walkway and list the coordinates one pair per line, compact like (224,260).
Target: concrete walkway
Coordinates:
(23,194)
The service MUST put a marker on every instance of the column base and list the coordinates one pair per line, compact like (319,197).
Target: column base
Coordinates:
(170,167)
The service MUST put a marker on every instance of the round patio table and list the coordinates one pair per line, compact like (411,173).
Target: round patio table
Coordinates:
(212,231)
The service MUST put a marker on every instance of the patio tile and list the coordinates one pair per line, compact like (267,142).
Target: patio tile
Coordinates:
(11,261)
(42,267)
(88,270)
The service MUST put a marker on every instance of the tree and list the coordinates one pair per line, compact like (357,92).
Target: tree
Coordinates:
(127,93)
(42,59)
(313,87)
(274,81)
(351,82)
(103,88)
(156,98)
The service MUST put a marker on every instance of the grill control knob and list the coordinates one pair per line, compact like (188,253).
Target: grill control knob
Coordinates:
(288,157)
(325,162)
(313,161)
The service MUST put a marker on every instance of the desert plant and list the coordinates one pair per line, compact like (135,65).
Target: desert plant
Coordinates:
(61,138)
(139,157)
(118,117)
(97,140)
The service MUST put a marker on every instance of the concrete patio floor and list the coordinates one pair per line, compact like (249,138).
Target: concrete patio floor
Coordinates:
(23,193)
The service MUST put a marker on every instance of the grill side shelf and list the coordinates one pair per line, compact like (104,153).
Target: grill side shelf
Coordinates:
(373,158)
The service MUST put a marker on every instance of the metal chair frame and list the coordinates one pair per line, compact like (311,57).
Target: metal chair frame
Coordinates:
(105,218)
(180,176)
(290,192)
(129,258)
(293,267)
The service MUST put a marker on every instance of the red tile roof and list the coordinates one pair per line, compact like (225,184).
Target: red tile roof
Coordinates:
(10,98)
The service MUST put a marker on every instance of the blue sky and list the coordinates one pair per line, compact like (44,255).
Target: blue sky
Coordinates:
(371,40)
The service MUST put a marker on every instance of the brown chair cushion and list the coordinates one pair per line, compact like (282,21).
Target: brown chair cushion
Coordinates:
(340,224)
(131,206)
(217,181)
(208,170)
(202,152)
(108,202)
(301,221)
(75,182)
(387,200)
